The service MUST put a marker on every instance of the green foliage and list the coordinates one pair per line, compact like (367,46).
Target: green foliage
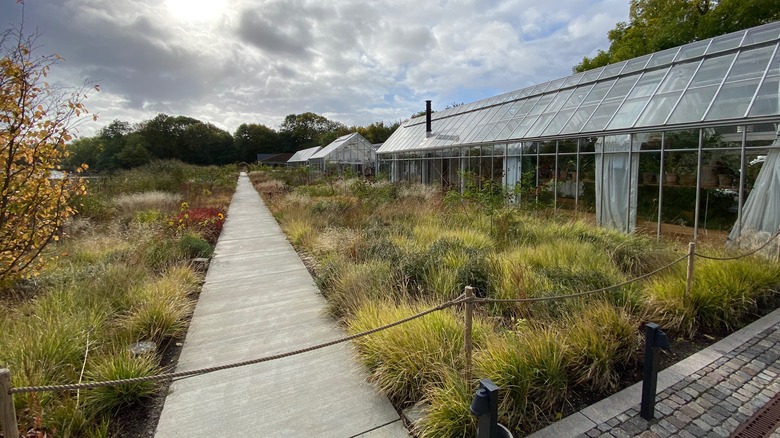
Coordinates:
(192,245)
(602,339)
(655,25)
(405,360)
(123,365)
(448,414)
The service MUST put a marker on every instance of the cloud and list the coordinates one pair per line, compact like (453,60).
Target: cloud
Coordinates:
(357,62)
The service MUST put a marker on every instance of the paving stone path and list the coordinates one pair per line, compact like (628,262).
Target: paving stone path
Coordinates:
(712,402)
(707,395)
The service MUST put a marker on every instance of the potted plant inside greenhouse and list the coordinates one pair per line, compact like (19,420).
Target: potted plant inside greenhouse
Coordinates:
(649,167)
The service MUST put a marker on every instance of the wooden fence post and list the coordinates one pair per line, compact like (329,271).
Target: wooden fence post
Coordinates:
(7,410)
(469,292)
(689,277)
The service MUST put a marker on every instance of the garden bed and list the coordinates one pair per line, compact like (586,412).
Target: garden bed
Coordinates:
(381,252)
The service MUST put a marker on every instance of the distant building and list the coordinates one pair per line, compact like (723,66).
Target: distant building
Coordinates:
(273,160)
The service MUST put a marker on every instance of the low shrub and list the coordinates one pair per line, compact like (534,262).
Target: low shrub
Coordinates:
(159,311)
(193,246)
(120,365)
(448,413)
(601,339)
(405,360)
(532,365)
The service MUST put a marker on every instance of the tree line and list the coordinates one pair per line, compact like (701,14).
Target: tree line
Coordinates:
(121,145)
(656,25)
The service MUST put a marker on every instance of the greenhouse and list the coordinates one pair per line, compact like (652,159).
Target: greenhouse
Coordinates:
(348,153)
(680,141)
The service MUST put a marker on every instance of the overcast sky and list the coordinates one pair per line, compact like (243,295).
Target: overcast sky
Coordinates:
(354,61)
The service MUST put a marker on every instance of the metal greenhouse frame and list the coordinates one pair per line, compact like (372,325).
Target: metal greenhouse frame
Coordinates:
(683,136)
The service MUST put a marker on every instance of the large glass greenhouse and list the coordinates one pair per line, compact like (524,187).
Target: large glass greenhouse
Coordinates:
(683,140)
(351,152)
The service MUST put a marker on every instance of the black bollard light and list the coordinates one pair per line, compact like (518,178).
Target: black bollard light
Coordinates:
(485,407)
(655,338)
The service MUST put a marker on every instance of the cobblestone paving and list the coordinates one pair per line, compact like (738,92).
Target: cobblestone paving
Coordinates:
(712,402)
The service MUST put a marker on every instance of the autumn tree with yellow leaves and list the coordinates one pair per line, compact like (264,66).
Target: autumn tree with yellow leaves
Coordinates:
(36,119)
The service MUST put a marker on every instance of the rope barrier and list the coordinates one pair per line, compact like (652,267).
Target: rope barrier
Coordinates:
(742,255)
(578,294)
(459,300)
(186,374)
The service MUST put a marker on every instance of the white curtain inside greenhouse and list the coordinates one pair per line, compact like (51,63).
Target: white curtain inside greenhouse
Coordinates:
(761,213)
(616,183)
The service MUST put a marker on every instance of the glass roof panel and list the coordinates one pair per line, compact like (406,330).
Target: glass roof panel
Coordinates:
(612,70)
(468,123)
(479,136)
(692,50)
(508,129)
(762,34)
(678,77)
(621,88)
(527,105)
(774,65)
(523,126)
(601,116)
(540,88)
(598,92)
(725,42)
(768,98)
(558,121)
(663,57)
(591,75)
(578,119)
(750,64)
(712,71)
(658,109)
(541,123)
(491,136)
(733,100)
(499,111)
(512,110)
(541,104)
(559,100)
(628,113)
(573,79)
(525,92)
(577,96)
(693,104)
(555,85)
(503,97)
(648,83)
(636,64)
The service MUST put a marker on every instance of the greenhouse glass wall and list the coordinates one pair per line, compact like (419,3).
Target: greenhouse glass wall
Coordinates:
(683,139)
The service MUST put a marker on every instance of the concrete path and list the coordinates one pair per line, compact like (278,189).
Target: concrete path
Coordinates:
(708,394)
(258,300)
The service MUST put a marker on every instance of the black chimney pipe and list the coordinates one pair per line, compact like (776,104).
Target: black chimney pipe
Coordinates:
(427,118)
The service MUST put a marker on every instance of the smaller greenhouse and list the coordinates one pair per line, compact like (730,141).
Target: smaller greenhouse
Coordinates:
(348,153)
(301,157)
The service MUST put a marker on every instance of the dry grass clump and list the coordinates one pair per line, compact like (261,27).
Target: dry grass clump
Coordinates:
(723,293)
(405,360)
(130,203)
(159,310)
